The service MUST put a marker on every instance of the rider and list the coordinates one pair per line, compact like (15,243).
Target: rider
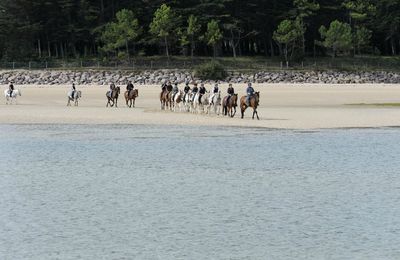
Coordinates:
(186,90)
(175,90)
(230,92)
(250,93)
(169,87)
(10,89)
(214,91)
(112,87)
(129,87)
(194,91)
(202,91)
(164,86)
(73,89)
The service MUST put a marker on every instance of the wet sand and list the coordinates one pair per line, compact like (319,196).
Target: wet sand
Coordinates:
(285,106)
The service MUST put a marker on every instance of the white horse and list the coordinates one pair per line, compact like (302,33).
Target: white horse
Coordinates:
(177,102)
(187,101)
(214,103)
(200,104)
(14,95)
(75,98)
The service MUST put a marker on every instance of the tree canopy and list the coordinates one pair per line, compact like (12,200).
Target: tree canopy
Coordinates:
(50,29)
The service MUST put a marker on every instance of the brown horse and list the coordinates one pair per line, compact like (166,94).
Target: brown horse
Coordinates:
(254,102)
(229,106)
(166,99)
(113,100)
(131,97)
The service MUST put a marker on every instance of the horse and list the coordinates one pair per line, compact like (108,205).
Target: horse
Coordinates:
(254,102)
(200,103)
(75,98)
(114,98)
(215,103)
(165,99)
(131,97)
(229,106)
(187,101)
(14,95)
(178,101)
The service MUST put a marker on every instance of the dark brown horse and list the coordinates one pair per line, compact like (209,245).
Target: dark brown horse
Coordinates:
(254,102)
(113,100)
(166,99)
(131,97)
(229,105)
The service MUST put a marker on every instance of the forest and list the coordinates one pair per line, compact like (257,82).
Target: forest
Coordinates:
(122,29)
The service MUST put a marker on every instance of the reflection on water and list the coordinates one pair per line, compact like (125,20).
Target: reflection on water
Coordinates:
(163,192)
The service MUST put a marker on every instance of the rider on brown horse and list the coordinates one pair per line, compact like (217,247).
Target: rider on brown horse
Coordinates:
(129,88)
(112,87)
(230,92)
(250,93)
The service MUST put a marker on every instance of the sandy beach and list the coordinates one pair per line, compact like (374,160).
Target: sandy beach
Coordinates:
(295,106)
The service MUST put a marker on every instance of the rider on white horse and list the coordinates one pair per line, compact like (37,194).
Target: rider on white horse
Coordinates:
(175,90)
(73,90)
(10,89)
(214,92)
(194,91)
(202,91)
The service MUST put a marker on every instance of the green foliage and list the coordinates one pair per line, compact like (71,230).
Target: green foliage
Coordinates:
(305,8)
(359,10)
(213,35)
(338,37)
(211,71)
(289,34)
(362,37)
(163,24)
(120,33)
(48,29)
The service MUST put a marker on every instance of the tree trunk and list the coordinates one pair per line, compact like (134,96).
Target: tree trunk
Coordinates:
(166,47)
(192,46)
(49,49)
(56,48)
(127,49)
(393,46)
(62,50)
(215,50)
(272,47)
(39,49)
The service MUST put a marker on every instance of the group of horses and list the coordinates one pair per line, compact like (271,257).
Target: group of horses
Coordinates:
(181,101)
(207,103)
(112,97)
(130,97)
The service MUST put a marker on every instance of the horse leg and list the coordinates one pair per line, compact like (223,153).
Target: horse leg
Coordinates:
(242,109)
(257,114)
(133,102)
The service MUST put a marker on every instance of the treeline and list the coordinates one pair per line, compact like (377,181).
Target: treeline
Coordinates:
(110,29)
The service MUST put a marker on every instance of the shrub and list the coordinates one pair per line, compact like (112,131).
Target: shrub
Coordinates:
(211,71)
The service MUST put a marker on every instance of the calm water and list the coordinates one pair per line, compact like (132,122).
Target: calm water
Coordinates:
(149,192)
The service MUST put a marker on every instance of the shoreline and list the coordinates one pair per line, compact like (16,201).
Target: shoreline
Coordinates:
(282,107)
